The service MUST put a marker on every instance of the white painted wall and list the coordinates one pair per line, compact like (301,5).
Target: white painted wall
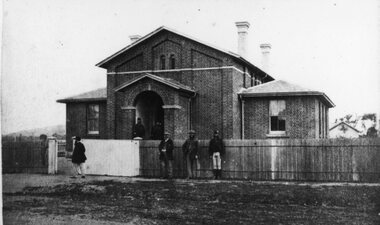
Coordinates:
(112,157)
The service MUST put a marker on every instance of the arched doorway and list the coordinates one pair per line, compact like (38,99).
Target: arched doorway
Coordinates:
(149,108)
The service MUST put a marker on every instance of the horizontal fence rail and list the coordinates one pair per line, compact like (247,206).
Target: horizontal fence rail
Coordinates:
(278,159)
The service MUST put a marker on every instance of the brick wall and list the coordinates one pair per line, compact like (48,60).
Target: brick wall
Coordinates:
(216,105)
(182,118)
(238,83)
(145,55)
(256,118)
(111,98)
(300,116)
(76,122)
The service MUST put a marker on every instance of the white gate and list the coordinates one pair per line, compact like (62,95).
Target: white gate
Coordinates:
(112,157)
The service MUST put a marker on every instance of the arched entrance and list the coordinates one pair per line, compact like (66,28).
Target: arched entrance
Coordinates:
(149,108)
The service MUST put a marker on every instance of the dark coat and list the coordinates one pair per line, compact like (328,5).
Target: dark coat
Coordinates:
(216,145)
(190,147)
(168,145)
(78,153)
(138,130)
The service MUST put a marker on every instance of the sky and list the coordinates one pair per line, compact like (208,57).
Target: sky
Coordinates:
(50,47)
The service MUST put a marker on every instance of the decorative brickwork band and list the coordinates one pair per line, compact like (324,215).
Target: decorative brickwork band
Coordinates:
(128,108)
(172,107)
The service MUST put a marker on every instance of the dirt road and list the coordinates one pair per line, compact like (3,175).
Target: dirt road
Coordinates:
(40,199)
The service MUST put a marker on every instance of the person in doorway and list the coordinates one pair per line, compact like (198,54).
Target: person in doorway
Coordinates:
(138,130)
(216,152)
(166,156)
(190,153)
(78,158)
(156,132)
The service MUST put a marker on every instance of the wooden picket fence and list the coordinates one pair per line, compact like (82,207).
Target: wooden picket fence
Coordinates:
(23,157)
(279,159)
(30,157)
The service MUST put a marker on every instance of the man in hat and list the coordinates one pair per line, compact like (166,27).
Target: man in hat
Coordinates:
(78,158)
(190,153)
(138,130)
(166,156)
(216,151)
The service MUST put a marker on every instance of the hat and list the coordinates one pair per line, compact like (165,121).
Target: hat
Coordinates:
(192,132)
(166,133)
(77,138)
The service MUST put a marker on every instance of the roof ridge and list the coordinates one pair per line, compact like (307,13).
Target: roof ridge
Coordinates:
(98,89)
(337,124)
(97,94)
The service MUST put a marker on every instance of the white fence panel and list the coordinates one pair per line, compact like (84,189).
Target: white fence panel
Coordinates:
(112,157)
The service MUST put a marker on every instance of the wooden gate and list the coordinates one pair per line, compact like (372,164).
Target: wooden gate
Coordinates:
(30,156)
(24,157)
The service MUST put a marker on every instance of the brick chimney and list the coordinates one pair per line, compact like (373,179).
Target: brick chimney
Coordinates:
(265,63)
(242,28)
(134,38)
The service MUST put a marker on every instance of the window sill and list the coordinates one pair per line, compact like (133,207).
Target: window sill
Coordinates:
(93,135)
(277,135)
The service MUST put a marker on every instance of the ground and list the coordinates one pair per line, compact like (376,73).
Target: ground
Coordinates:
(44,199)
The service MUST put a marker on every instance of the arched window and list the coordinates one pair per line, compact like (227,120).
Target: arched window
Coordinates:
(172,61)
(162,62)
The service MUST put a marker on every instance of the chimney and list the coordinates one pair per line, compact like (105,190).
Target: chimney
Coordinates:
(242,28)
(134,38)
(265,50)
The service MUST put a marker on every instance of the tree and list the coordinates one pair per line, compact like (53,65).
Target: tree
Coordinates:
(348,119)
(371,132)
(369,116)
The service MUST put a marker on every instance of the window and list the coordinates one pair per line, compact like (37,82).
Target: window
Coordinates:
(162,62)
(172,61)
(277,118)
(93,119)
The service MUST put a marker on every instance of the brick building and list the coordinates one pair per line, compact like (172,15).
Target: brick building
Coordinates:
(186,84)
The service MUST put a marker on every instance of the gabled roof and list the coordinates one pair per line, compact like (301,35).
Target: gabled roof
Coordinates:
(234,55)
(279,88)
(91,96)
(348,125)
(169,82)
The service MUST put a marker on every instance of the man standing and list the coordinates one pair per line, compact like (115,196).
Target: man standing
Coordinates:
(190,153)
(216,151)
(138,130)
(78,158)
(166,156)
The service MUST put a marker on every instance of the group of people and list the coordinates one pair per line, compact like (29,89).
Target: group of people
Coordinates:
(166,147)
(190,153)
(138,131)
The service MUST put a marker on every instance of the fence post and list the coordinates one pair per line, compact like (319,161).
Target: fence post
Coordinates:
(273,156)
(355,174)
(52,155)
